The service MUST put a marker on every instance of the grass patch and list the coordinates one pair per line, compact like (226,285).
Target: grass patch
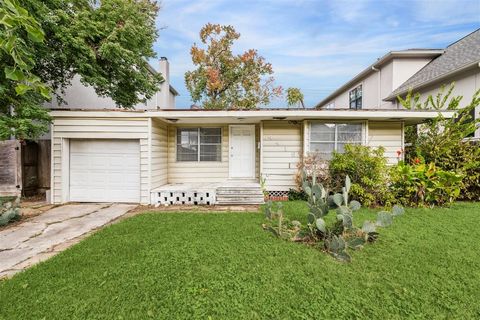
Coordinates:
(223,265)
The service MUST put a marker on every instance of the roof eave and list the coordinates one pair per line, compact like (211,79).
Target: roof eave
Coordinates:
(393,96)
(213,116)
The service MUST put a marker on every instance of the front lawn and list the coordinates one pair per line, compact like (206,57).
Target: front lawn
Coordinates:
(223,265)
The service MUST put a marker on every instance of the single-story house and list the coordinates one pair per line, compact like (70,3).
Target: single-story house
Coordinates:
(205,156)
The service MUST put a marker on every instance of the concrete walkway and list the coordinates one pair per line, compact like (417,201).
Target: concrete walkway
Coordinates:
(51,232)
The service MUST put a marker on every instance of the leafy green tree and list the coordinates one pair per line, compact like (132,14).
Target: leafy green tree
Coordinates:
(21,90)
(295,97)
(224,80)
(107,43)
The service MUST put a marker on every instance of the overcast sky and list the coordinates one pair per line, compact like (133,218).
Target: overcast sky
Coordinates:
(313,45)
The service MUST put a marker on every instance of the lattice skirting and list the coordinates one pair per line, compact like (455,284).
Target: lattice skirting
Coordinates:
(184,197)
(278,195)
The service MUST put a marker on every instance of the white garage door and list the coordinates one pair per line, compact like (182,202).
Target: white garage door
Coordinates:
(105,170)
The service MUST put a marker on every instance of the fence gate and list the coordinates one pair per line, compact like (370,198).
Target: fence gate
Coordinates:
(10,168)
(29,168)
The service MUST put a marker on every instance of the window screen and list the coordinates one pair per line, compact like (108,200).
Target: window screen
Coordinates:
(199,144)
(328,137)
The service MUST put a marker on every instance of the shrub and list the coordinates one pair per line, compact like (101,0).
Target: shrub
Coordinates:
(445,142)
(9,211)
(424,185)
(368,168)
(294,195)
(313,164)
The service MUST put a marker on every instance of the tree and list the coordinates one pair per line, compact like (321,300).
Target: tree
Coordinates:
(107,43)
(224,80)
(295,97)
(21,91)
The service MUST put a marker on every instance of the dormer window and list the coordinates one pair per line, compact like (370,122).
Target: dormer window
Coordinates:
(356,98)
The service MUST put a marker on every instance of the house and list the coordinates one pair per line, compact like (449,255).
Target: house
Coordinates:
(80,96)
(204,156)
(27,167)
(173,156)
(423,71)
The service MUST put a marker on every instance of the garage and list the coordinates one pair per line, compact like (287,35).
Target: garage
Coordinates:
(104,170)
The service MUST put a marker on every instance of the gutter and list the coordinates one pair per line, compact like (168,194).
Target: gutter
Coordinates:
(248,116)
(469,66)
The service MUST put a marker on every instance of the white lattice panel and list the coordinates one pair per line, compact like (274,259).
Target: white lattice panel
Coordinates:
(178,197)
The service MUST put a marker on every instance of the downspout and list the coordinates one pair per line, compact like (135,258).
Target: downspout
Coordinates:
(379,99)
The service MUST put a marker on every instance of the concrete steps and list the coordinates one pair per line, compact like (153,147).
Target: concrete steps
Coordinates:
(243,195)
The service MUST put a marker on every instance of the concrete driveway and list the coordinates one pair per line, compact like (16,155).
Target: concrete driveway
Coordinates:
(45,235)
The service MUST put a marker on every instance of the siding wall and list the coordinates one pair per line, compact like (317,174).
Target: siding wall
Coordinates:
(386,134)
(282,149)
(64,129)
(159,159)
(208,172)
(193,171)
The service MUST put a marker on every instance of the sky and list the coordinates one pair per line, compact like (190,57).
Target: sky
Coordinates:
(313,45)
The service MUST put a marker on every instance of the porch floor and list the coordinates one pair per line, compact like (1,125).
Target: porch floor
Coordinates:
(232,191)
(197,186)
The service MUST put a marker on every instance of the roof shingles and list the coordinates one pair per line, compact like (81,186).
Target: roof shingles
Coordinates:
(459,54)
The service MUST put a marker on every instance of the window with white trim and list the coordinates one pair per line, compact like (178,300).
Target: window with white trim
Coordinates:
(199,144)
(356,98)
(328,137)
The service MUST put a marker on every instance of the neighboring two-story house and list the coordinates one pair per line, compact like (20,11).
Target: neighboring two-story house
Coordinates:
(80,96)
(424,71)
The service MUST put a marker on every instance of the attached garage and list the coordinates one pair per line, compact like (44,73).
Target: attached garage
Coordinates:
(104,170)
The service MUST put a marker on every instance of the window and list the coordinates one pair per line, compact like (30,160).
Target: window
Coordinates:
(356,98)
(328,137)
(199,144)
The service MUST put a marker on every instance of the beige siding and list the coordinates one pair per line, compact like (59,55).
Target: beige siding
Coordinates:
(194,171)
(388,135)
(282,149)
(96,128)
(159,157)
(208,172)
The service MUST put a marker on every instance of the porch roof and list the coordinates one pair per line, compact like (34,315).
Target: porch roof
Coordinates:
(179,116)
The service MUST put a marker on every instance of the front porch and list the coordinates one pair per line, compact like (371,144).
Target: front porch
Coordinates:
(231,191)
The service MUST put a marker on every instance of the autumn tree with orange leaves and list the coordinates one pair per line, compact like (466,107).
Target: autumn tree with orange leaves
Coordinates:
(224,80)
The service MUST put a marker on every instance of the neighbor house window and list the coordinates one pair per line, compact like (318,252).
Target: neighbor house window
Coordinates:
(199,144)
(356,98)
(328,137)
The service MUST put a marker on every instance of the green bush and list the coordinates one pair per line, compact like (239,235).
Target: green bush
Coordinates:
(9,210)
(294,195)
(445,142)
(367,167)
(424,185)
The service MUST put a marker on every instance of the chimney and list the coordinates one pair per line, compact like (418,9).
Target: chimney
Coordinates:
(164,101)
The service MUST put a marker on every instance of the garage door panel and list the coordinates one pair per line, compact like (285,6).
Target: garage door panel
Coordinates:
(105,170)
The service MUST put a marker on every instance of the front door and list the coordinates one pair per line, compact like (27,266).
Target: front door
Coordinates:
(242,151)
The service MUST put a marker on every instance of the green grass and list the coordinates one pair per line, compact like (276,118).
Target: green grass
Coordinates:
(223,265)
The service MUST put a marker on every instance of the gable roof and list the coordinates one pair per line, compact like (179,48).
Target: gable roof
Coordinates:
(410,53)
(458,56)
